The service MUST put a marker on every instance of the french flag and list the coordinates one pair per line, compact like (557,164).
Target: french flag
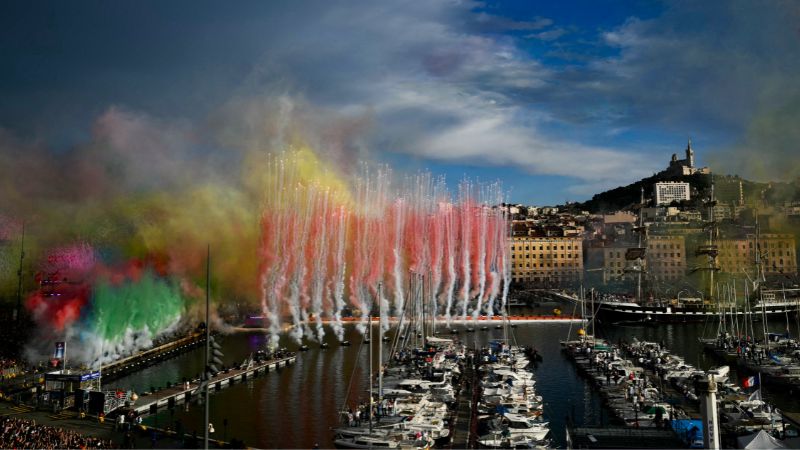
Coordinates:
(750,382)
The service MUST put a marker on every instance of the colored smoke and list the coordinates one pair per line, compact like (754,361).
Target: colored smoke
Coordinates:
(102,312)
(307,239)
(127,316)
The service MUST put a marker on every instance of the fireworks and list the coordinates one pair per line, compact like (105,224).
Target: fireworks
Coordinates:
(318,238)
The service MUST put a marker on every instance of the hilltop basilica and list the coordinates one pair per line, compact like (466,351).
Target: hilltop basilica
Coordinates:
(680,167)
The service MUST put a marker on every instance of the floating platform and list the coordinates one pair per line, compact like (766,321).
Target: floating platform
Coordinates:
(482,320)
(124,366)
(169,397)
(498,320)
(617,437)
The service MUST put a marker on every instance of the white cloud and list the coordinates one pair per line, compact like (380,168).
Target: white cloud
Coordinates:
(437,87)
(549,35)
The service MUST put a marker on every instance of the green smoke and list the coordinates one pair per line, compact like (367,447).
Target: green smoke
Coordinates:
(148,305)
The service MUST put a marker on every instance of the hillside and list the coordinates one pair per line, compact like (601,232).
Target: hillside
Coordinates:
(726,190)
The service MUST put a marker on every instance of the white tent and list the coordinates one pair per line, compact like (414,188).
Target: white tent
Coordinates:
(758,441)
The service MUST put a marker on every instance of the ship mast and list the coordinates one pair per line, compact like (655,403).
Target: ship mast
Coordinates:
(709,249)
(640,259)
(759,276)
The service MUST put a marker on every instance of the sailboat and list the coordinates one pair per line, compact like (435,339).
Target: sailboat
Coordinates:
(409,411)
(353,434)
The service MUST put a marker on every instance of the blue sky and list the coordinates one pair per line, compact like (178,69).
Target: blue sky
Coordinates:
(558,100)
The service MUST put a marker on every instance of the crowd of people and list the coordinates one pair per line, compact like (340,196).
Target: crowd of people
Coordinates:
(23,433)
(9,367)
(6,363)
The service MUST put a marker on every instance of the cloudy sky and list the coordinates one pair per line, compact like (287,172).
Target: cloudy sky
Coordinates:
(558,100)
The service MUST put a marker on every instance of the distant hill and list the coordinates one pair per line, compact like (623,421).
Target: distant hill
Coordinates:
(726,190)
(624,197)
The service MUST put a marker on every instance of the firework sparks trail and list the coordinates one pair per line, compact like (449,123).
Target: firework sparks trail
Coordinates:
(322,235)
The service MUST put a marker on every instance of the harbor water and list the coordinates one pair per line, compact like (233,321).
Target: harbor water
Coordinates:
(296,406)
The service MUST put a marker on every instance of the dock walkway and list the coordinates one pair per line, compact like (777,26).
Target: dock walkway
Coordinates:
(149,404)
(464,418)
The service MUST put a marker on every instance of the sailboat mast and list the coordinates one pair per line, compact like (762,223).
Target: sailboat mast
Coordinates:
(592,294)
(434,307)
(17,312)
(380,350)
(422,307)
(370,373)
(208,343)
(506,322)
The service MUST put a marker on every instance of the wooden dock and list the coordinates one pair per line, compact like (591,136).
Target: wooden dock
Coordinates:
(169,397)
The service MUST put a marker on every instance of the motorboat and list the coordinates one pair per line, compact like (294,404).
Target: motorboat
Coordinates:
(366,441)
(720,373)
(521,425)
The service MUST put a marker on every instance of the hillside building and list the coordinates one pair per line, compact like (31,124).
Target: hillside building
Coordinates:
(667,192)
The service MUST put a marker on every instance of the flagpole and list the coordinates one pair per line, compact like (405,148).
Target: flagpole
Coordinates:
(759,384)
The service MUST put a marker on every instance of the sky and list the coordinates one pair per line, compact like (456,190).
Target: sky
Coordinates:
(557,100)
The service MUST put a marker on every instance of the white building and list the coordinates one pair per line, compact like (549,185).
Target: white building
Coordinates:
(670,191)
